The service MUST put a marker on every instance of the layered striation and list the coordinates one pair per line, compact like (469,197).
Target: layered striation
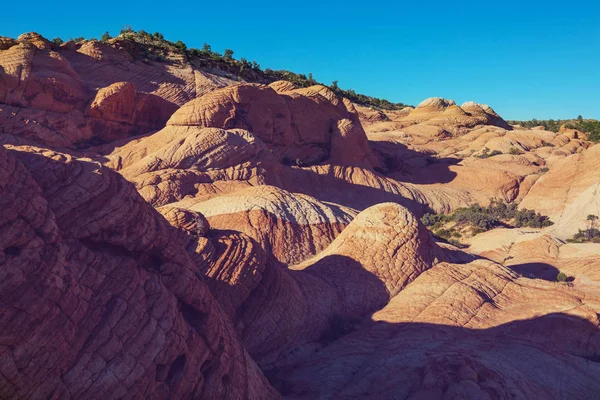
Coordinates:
(169,232)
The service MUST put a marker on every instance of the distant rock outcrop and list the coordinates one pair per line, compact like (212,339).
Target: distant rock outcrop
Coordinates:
(78,95)
(443,112)
(303,126)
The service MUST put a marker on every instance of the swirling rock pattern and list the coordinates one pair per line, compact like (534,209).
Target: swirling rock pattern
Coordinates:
(256,241)
(99,298)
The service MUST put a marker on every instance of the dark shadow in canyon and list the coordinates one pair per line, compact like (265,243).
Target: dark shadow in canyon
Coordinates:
(565,347)
(536,270)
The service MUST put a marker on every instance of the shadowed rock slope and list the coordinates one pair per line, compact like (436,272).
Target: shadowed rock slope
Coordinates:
(99,298)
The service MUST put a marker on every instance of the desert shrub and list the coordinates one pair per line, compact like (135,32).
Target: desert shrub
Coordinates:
(431,219)
(591,234)
(158,47)
(106,37)
(127,29)
(477,216)
(482,219)
(531,219)
(561,277)
(180,46)
(485,153)
(589,126)
(549,125)
(477,231)
(447,233)
(55,43)
(544,170)
(586,235)
(514,151)
(500,210)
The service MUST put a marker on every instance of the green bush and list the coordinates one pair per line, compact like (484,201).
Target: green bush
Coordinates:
(447,233)
(180,46)
(477,218)
(549,125)
(586,235)
(589,126)
(561,277)
(482,219)
(157,48)
(531,219)
(485,153)
(431,219)
(228,54)
(514,151)
(127,29)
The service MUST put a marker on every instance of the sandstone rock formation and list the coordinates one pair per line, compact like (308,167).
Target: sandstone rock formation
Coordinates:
(291,227)
(569,192)
(100,299)
(254,241)
(82,94)
(302,126)
(447,114)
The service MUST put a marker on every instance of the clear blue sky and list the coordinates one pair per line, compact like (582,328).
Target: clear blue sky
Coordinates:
(527,59)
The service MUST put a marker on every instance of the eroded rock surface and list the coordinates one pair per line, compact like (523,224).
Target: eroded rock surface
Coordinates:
(255,240)
(100,299)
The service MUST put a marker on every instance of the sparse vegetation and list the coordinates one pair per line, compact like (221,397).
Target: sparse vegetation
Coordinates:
(549,125)
(531,219)
(514,151)
(485,153)
(589,235)
(228,54)
(127,29)
(561,277)
(180,46)
(156,47)
(476,219)
(590,127)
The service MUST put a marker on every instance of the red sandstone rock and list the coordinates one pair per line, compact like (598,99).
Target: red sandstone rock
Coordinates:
(274,248)
(100,298)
